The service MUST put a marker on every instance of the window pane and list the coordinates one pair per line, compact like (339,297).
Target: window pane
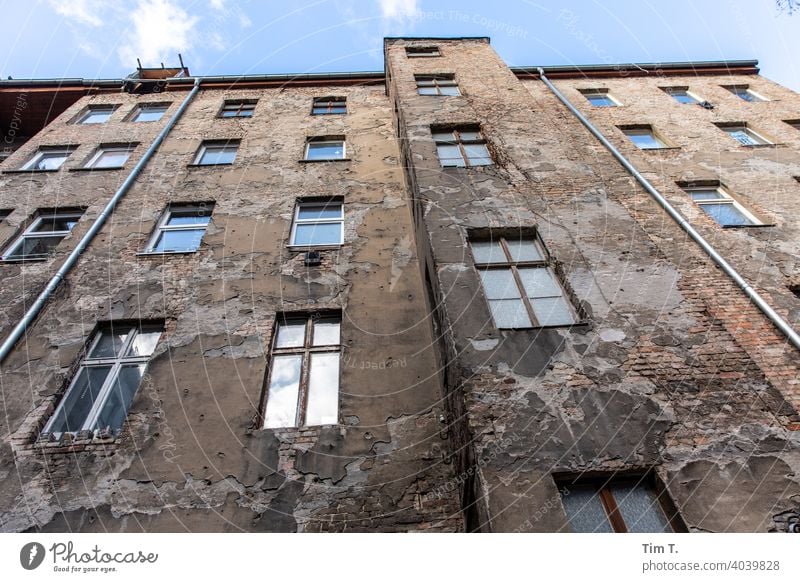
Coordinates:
(706,195)
(488,252)
(110,343)
(450,91)
(323,390)
(218,155)
(539,283)
(470,136)
(144,343)
(552,311)
(291,334)
(118,401)
(745,137)
(79,399)
(585,511)
(450,155)
(524,250)
(326,332)
(112,159)
(150,114)
(645,140)
(284,387)
(640,509)
(600,100)
(55,224)
(478,154)
(318,234)
(499,284)
(97,116)
(178,240)
(509,313)
(35,248)
(189,217)
(49,161)
(325,151)
(311,211)
(726,214)
(444,136)
(427,91)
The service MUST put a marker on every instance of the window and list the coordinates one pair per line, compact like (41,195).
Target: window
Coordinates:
(99,396)
(238,108)
(522,288)
(150,112)
(745,93)
(461,147)
(795,123)
(110,156)
(323,149)
(329,106)
(619,505)
(303,384)
(216,153)
(599,97)
(444,85)
(744,135)
(318,223)
(681,95)
(4,213)
(96,114)
(645,138)
(48,159)
(181,228)
(42,236)
(719,205)
(422,51)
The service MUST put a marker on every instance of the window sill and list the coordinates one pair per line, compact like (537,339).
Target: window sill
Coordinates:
(762,145)
(164,253)
(580,324)
(18,261)
(72,443)
(666,149)
(323,161)
(96,169)
(735,226)
(208,165)
(305,249)
(30,171)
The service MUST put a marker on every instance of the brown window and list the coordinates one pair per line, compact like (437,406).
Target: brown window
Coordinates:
(303,383)
(422,51)
(461,147)
(238,108)
(443,85)
(329,106)
(619,505)
(520,283)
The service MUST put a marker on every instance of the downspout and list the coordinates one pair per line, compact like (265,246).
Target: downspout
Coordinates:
(73,257)
(759,301)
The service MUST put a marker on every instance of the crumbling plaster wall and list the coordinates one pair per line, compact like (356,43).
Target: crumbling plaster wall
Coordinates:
(657,376)
(192,456)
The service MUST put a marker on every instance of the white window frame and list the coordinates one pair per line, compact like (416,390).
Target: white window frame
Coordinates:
(30,232)
(102,150)
(163,226)
(512,265)
(296,220)
(93,109)
(41,153)
(662,144)
(116,364)
(305,352)
(603,93)
(163,107)
(436,81)
(325,141)
(672,90)
(748,131)
(736,89)
(722,198)
(210,145)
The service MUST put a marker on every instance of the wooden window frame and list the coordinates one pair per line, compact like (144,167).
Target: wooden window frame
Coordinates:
(460,143)
(514,266)
(238,106)
(332,105)
(437,82)
(305,351)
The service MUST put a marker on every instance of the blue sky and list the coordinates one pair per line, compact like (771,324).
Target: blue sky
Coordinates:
(102,38)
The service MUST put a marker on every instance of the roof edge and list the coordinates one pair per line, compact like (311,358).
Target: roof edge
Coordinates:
(748,67)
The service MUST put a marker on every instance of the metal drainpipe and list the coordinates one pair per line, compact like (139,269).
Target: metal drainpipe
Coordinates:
(765,307)
(37,306)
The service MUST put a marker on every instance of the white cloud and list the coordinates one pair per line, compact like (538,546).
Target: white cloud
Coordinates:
(399,9)
(83,11)
(217,4)
(161,30)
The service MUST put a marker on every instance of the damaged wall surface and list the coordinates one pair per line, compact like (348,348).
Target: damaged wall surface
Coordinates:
(667,376)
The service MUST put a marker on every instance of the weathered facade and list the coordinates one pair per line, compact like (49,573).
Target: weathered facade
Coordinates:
(665,377)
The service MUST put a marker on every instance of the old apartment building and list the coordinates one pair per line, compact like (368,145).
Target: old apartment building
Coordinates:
(454,296)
